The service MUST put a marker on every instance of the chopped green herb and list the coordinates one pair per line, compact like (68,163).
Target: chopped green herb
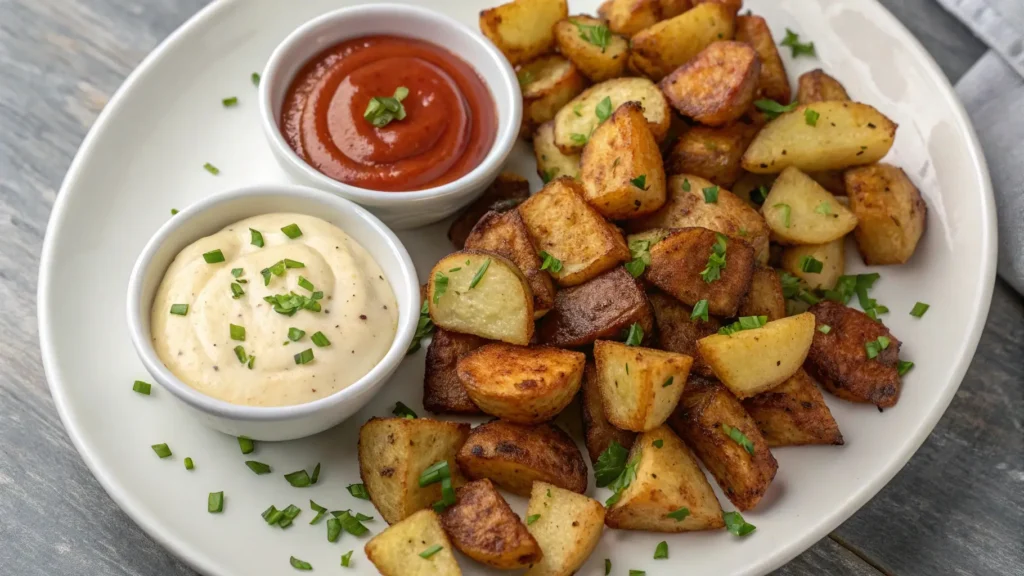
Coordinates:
(255,78)
(162,450)
(298,479)
(292,231)
(213,257)
(435,473)
(359,491)
(246,445)
(288,263)
(316,474)
(686,184)
(903,367)
(403,411)
(792,41)
(636,334)
(743,323)
(711,195)
(597,34)
(578,138)
(736,525)
(759,195)
(237,332)
(294,334)
(811,117)
(240,354)
(304,357)
(610,464)
(288,515)
(320,512)
(142,387)
(786,212)
(548,175)
(320,340)
(824,209)
(607,566)
(679,515)
(525,77)
(256,238)
(431,551)
(874,347)
(333,529)
(174,211)
(577,109)
(424,328)
(773,109)
(619,485)
(658,443)
(604,109)
(272,515)
(382,110)
(640,181)
(229,102)
(189,464)
(211,169)
(919,309)
(300,564)
(713,271)
(346,559)
(640,251)
(350,523)
(306,284)
(215,502)
(440,286)
(790,284)
(637,573)
(550,263)
(668,382)
(824,328)
(479,274)
(258,467)
(661,551)
(739,438)
(810,264)
(532,518)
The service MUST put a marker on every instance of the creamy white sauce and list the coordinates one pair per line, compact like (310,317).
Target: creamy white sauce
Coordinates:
(358,313)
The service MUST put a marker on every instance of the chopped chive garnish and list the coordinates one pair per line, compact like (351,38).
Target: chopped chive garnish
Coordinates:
(635,335)
(637,573)
(811,117)
(716,261)
(252,360)
(661,551)
(919,309)
(288,263)
(211,168)
(256,238)
(174,211)
(142,387)
(294,334)
(304,357)
(431,551)
(824,328)
(320,512)
(298,479)
(736,525)
(903,367)
(668,382)
(532,518)
(711,195)
(316,474)
(874,347)
(317,295)
(435,473)
(189,464)
(447,496)
(288,515)
(640,181)
(739,438)
(162,450)
(772,109)
(241,355)
(550,263)
(272,515)
(479,274)
(179,309)
(236,291)
(258,467)
(213,257)
(382,110)
(759,195)
(236,272)
(700,311)
(811,265)
(306,284)
(352,524)
(229,102)
(679,515)
(346,559)
(215,502)
(744,323)
(333,529)
(246,445)
(607,566)
(786,211)
(658,443)
(292,231)
(300,564)
(403,411)
(237,332)
(278,268)
(440,286)
(824,209)
(255,78)
(320,340)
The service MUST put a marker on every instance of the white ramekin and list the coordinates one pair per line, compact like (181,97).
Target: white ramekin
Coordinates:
(215,212)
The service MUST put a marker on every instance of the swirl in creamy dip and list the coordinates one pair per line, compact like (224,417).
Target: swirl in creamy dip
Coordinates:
(347,320)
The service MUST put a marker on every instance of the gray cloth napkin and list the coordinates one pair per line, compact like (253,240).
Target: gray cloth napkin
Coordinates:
(993,94)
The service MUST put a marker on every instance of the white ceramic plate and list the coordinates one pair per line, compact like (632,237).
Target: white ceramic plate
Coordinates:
(145,155)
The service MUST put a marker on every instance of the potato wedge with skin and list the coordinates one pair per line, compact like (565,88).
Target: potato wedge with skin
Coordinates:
(817,86)
(794,414)
(668,479)
(773,83)
(846,134)
(717,86)
(522,29)
(597,63)
(575,122)
(765,297)
(483,526)
(568,528)
(627,17)
(678,332)
(443,393)
(505,193)
(750,362)
(799,211)
(705,411)
(891,214)
(839,359)
(547,83)
(598,432)
(519,384)
(831,255)
(640,386)
(669,44)
(564,225)
(551,162)
(505,234)
(396,550)
(514,456)
(621,167)
(601,309)
(393,452)
(499,305)
(711,153)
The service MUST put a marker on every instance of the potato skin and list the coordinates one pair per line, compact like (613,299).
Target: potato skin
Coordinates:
(522,29)
(817,86)
(891,213)
(547,83)
(678,333)
(443,393)
(717,86)
(596,64)
(838,360)
(514,456)
(505,193)
(773,83)
(765,297)
(598,432)
(711,153)
(794,414)
(483,526)
(669,44)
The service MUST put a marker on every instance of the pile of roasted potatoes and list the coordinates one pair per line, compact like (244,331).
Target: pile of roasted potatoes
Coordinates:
(681,273)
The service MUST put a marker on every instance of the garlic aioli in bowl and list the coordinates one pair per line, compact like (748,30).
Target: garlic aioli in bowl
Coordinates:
(282,309)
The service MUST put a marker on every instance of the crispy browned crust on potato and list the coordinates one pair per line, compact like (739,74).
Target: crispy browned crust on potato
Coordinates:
(773,83)
(733,5)
(716,87)
(506,234)
(794,413)
(547,83)
(483,526)
(831,180)
(891,214)
(595,62)
(505,193)
(765,297)
(705,406)
(678,333)
(513,456)
(817,86)
(601,309)
(673,8)
(711,153)
(659,49)
(627,17)
(522,29)
(598,432)
(443,393)
(839,361)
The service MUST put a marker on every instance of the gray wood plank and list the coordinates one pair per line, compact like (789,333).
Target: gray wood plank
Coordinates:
(827,557)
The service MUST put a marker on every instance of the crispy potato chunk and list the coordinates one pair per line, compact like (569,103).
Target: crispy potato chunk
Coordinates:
(522,29)
(717,86)
(505,234)
(396,550)
(734,6)
(547,83)
(831,255)
(794,414)
(711,153)
(773,83)
(765,297)
(678,332)
(839,360)
(816,86)
(890,211)
(393,452)
(627,17)
(799,211)
(442,391)
(845,134)
(595,62)
(598,432)
(705,411)
(483,526)
(673,8)
(640,386)
(499,305)
(622,171)
(568,528)
(562,224)
(519,384)
(668,480)
(505,193)
(578,119)
(514,456)
(669,44)
(753,188)
(678,261)
(601,309)
(551,162)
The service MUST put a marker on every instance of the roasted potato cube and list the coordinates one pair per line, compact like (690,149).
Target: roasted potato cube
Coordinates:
(667,45)
(568,528)
(598,432)
(673,8)
(711,153)
(565,226)
(668,480)
(726,439)
(797,260)
(498,307)
(840,359)
(627,17)
(547,83)
(483,526)
(816,86)
(576,121)
(765,297)
(622,172)
(640,386)
(396,551)
(393,452)
(794,414)
(442,391)
(717,86)
(681,266)
(679,332)
(598,63)
(734,6)
(845,134)
(504,194)
(522,29)
(749,362)
(773,83)
(601,309)
(551,162)
(519,384)
(890,211)
(505,234)
(799,211)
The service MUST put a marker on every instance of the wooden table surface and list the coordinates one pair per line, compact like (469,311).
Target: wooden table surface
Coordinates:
(956,508)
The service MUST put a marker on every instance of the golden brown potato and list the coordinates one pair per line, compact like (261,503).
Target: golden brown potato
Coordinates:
(711,153)
(442,391)
(396,551)
(551,162)
(667,45)
(568,527)
(717,86)
(799,211)
(576,121)
(483,526)
(890,211)
(797,260)
(773,83)
(668,481)
(627,17)
(816,86)
(505,234)
(640,386)
(844,134)
(673,8)
(598,63)
(513,456)
(393,452)
(598,432)
(678,332)
(727,440)
(840,359)
(794,414)
(734,6)
(504,194)
(765,297)
(622,172)
(522,29)
(679,262)
(602,309)
(519,384)
(547,83)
